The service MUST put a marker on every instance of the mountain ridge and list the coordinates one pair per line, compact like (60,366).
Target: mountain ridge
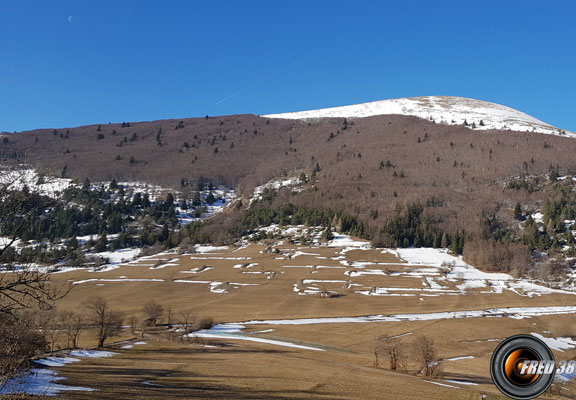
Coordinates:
(449,110)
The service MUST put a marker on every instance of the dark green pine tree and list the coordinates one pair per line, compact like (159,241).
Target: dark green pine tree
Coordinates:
(164,234)
(123,240)
(169,201)
(102,226)
(417,240)
(115,223)
(101,243)
(72,243)
(445,241)
(146,238)
(159,137)
(146,201)
(327,235)
(196,201)
(518,212)
(554,175)
(137,200)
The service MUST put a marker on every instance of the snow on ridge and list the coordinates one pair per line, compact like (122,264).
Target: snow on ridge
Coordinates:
(25,176)
(442,109)
(273,185)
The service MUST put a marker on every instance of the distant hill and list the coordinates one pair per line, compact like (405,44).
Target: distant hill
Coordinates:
(365,165)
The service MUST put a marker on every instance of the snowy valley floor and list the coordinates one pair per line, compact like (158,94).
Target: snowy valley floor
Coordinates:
(302,321)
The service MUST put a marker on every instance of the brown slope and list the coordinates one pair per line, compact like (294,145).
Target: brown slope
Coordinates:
(464,168)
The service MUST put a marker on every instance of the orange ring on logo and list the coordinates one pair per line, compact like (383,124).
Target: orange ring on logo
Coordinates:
(514,363)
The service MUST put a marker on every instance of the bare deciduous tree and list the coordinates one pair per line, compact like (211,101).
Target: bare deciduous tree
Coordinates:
(186,320)
(19,342)
(47,323)
(107,322)
(169,316)
(426,351)
(390,347)
(553,272)
(446,268)
(153,310)
(133,323)
(25,287)
(72,324)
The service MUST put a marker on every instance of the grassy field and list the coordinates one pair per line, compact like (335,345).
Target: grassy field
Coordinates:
(171,370)
(284,281)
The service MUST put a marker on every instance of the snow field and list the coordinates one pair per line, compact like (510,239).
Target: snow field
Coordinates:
(441,109)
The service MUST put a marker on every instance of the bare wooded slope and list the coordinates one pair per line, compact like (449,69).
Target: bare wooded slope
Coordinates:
(465,168)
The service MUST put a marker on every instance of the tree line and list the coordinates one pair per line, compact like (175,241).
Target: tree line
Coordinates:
(411,226)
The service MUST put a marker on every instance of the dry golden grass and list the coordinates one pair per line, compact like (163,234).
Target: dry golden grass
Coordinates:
(272,298)
(253,372)
(242,369)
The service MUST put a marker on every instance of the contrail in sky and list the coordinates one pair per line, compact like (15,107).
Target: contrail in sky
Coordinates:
(249,86)
(242,90)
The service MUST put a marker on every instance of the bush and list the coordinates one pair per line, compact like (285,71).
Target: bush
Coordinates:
(205,323)
(19,343)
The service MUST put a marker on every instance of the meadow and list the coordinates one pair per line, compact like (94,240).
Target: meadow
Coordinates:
(296,320)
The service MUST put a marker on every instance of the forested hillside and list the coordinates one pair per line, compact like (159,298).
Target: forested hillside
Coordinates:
(404,181)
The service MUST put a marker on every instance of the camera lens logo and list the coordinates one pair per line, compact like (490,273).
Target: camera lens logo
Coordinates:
(522,367)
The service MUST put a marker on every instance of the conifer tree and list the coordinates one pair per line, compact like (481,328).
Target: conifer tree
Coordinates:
(518,212)
(101,243)
(169,201)
(327,234)
(145,201)
(196,200)
(445,241)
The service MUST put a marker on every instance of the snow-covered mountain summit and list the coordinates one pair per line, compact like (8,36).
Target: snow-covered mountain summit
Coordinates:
(477,114)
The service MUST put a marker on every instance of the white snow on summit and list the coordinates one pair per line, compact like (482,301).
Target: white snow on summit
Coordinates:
(441,109)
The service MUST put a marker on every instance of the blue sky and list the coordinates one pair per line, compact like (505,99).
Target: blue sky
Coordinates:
(69,63)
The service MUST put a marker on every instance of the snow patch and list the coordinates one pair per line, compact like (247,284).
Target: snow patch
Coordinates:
(560,343)
(232,331)
(56,361)
(39,381)
(206,248)
(509,312)
(442,109)
(92,353)
(116,280)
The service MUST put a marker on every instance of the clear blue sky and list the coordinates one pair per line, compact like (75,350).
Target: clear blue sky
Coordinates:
(68,63)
